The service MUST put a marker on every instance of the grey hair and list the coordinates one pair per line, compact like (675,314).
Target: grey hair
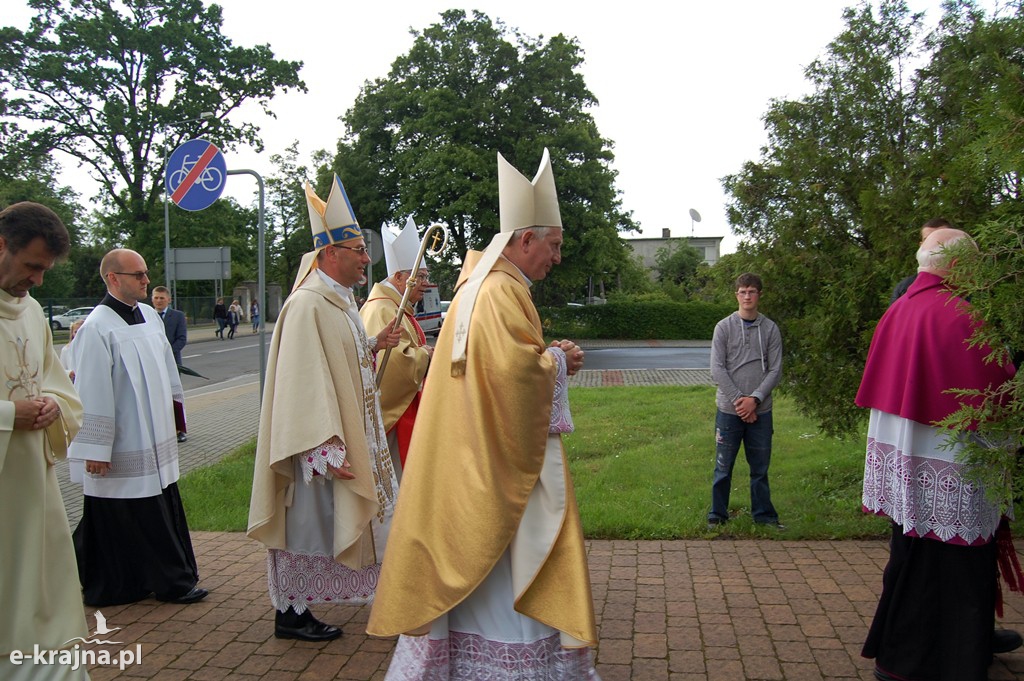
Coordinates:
(939,257)
(540,232)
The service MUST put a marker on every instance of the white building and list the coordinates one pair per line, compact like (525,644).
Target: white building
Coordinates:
(647,248)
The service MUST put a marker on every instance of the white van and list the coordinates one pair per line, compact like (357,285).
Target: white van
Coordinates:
(428,311)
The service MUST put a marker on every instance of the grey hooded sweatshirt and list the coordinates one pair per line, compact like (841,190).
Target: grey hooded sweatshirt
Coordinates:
(746,359)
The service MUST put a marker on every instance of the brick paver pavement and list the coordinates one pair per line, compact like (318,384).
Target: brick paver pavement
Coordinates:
(694,610)
(691,610)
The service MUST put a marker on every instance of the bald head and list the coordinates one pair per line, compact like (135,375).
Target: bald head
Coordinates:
(125,274)
(933,257)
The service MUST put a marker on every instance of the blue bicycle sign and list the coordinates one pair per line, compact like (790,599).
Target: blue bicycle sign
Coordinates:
(195,175)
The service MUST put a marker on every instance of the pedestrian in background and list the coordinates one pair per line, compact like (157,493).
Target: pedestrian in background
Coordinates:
(254,315)
(234,317)
(220,315)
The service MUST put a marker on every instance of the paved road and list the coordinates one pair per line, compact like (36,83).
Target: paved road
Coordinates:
(223,360)
(648,358)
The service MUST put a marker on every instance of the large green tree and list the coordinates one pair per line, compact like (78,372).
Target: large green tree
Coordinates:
(983,57)
(889,137)
(423,141)
(286,216)
(117,85)
(33,179)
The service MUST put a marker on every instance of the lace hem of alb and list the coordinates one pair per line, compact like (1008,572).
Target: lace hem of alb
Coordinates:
(928,497)
(298,580)
(470,657)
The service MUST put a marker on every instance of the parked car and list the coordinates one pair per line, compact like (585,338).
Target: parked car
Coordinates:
(444,309)
(63,321)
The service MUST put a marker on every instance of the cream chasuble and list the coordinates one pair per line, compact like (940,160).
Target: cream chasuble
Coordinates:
(319,389)
(39,590)
(407,363)
(481,454)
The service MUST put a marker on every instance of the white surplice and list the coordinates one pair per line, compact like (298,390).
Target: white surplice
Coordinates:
(127,370)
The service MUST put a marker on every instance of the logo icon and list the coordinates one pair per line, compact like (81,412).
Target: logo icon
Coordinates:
(101,630)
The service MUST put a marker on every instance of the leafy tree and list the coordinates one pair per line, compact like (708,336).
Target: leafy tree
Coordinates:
(677,264)
(423,141)
(286,216)
(991,278)
(830,212)
(32,180)
(116,85)
(983,58)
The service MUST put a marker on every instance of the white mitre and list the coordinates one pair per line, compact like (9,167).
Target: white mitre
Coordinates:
(400,251)
(521,203)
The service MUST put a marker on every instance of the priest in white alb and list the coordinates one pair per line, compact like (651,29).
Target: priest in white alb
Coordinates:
(133,539)
(324,487)
(407,364)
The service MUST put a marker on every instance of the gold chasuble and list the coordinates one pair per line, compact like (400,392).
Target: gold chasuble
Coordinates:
(407,364)
(39,589)
(319,395)
(476,455)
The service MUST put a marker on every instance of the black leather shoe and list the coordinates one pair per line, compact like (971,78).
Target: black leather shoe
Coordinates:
(1005,640)
(194,596)
(303,627)
(182,437)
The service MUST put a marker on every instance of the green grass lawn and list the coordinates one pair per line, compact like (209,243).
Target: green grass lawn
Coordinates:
(216,498)
(642,461)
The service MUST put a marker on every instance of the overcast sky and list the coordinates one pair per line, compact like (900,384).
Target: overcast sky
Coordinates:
(682,86)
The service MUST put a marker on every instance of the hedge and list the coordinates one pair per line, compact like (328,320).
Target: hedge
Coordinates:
(635,321)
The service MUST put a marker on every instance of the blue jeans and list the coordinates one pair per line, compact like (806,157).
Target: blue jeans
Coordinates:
(756,437)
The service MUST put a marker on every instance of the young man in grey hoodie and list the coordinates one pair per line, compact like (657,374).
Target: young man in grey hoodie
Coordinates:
(746,364)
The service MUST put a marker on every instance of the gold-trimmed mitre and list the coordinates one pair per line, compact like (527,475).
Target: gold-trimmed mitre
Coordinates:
(522,203)
(332,222)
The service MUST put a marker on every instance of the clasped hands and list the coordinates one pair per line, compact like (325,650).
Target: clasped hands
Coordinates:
(746,409)
(573,355)
(35,413)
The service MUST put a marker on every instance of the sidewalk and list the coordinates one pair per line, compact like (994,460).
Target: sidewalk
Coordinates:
(667,611)
(691,610)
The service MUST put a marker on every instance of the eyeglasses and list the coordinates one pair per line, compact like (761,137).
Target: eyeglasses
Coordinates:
(422,278)
(358,249)
(138,275)
(747,294)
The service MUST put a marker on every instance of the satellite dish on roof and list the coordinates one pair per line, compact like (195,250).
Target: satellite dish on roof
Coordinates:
(694,217)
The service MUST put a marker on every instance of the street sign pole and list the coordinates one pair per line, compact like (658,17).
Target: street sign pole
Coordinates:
(261,277)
